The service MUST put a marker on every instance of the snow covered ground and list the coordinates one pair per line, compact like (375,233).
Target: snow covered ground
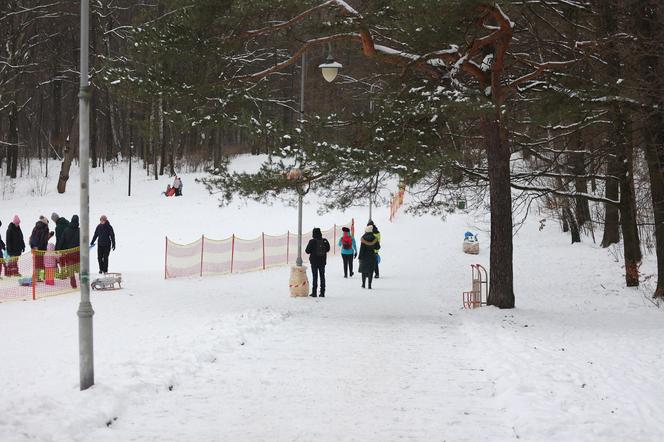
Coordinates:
(234,358)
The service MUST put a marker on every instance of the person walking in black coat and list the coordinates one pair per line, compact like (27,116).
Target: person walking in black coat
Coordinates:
(71,239)
(369,244)
(15,246)
(104,232)
(61,224)
(317,250)
(2,253)
(38,243)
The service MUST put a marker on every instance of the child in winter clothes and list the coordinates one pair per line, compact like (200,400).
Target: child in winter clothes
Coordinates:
(368,246)
(50,262)
(348,251)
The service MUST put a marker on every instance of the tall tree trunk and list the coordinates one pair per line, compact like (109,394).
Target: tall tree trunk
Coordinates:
(93,130)
(110,147)
(12,149)
(573,224)
(630,231)
(563,217)
(611,211)
(582,208)
(162,137)
(623,149)
(650,29)
(56,133)
(64,169)
(655,157)
(501,291)
(3,149)
(40,125)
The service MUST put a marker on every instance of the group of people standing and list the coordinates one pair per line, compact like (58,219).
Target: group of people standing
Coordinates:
(57,247)
(318,247)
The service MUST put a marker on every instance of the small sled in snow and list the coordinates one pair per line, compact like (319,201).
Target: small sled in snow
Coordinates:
(107,282)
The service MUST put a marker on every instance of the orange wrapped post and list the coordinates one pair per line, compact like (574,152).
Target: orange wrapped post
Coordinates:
(34,275)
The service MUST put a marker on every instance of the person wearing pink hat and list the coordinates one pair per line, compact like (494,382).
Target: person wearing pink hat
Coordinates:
(15,246)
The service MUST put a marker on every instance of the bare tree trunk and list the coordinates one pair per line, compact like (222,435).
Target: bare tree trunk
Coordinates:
(56,134)
(573,224)
(563,217)
(93,130)
(501,292)
(648,25)
(582,208)
(162,138)
(66,166)
(12,149)
(630,231)
(612,212)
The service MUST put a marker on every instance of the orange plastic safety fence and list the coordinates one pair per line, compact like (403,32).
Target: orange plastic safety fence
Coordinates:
(397,201)
(39,273)
(207,256)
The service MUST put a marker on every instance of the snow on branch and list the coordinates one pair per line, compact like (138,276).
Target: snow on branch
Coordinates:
(298,53)
(298,18)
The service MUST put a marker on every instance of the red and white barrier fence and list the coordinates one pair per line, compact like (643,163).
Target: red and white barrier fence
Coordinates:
(207,256)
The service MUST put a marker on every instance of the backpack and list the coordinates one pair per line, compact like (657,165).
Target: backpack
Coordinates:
(320,248)
(34,237)
(346,242)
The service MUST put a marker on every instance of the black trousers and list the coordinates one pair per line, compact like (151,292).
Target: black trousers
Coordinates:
(364,278)
(102,257)
(348,264)
(318,269)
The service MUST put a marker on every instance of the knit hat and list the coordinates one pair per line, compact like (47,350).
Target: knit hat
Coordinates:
(368,229)
(55,217)
(316,233)
(345,229)
(43,219)
(16,220)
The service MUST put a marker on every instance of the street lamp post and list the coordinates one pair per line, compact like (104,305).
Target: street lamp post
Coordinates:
(371,186)
(85,312)
(329,69)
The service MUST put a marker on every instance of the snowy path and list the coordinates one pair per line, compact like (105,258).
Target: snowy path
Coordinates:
(359,364)
(234,358)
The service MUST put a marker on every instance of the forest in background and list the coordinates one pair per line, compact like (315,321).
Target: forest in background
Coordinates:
(567,95)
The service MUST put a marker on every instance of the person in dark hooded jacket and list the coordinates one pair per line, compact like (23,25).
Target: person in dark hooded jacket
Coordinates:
(2,253)
(369,244)
(39,243)
(106,235)
(71,239)
(61,224)
(15,246)
(317,250)
(376,233)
